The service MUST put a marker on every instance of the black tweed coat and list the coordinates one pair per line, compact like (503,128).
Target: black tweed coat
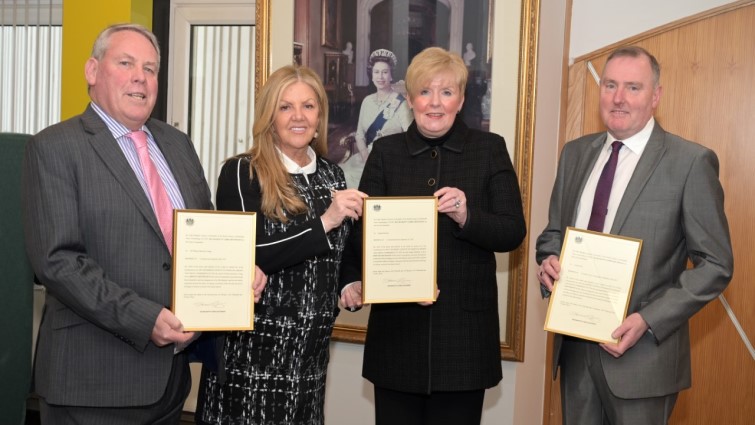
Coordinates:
(452,345)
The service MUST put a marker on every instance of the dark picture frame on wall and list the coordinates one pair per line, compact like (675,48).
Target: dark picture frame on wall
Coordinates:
(338,43)
(298,49)
(330,26)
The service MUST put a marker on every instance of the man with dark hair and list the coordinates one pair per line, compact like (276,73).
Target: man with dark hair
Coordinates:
(639,181)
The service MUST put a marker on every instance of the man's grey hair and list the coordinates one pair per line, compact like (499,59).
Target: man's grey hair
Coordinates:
(636,52)
(103,40)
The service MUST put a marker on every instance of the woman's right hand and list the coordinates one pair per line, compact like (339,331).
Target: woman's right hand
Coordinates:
(351,296)
(344,204)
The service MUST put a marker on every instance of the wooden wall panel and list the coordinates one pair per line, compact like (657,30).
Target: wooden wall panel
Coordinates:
(575,108)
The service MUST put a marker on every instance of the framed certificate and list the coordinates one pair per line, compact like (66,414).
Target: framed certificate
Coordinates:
(213,269)
(590,299)
(400,249)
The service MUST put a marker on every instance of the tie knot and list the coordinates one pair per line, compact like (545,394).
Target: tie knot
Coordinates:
(615,146)
(139,137)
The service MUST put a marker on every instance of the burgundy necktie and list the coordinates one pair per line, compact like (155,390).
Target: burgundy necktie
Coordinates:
(603,191)
(160,201)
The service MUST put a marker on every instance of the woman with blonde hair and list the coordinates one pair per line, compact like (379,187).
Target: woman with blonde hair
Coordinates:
(276,373)
(431,363)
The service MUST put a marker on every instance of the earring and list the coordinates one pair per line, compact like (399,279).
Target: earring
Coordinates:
(317,134)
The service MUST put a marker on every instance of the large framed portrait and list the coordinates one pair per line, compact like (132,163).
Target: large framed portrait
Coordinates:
(497,41)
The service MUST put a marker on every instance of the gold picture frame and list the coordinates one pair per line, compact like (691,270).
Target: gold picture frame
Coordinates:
(513,307)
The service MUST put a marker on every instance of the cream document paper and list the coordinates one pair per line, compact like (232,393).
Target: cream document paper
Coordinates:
(591,297)
(213,269)
(400,244)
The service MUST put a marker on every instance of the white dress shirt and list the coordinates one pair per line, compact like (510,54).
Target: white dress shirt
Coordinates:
(629,156)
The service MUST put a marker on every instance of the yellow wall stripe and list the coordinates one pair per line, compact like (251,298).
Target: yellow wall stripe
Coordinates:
(82,22)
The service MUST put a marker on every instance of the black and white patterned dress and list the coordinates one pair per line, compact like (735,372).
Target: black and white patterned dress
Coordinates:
(276,373)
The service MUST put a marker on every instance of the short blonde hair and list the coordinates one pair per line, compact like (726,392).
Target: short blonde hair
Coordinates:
(278,193)
(430,62)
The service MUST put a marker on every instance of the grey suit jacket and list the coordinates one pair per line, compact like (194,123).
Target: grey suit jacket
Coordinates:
(94,242)
(674,203)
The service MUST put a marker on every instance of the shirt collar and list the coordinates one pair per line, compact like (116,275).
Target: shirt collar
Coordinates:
(294,168)
(117,129)
(637,142)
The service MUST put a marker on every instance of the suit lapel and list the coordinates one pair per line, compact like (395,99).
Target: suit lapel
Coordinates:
(582,169)
(105,146)
(650,159)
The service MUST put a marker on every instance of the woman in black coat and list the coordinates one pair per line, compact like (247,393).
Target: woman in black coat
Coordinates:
(431,363)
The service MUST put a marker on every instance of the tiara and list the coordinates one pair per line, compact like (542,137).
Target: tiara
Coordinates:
(384,54)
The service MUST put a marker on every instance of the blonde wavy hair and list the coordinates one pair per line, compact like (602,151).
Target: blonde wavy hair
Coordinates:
(279,196)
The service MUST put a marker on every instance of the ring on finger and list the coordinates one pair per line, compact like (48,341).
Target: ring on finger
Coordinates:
(458,203)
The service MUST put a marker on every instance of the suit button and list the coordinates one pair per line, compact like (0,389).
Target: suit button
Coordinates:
(166,266)
(434,154)
(431,182)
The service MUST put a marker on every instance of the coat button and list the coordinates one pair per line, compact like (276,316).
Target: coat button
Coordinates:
(431,182)
(433,154)
(166,266)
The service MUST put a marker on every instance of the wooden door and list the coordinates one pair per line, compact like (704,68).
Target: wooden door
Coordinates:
(708,78)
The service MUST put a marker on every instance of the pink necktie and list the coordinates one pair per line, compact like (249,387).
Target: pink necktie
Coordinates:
(603,191)
(160,201)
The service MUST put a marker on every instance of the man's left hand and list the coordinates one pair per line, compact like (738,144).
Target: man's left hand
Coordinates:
(168,329)
(628,333)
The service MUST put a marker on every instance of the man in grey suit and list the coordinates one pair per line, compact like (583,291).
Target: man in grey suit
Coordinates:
(666,192)
(106,345)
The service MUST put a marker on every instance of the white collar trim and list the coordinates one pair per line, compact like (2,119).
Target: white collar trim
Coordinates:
(293,168)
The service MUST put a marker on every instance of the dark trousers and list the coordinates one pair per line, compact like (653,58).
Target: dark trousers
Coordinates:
(437,408)
(586,398)
(166,411)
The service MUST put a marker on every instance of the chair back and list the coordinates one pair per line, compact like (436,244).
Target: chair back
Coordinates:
(16,286)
